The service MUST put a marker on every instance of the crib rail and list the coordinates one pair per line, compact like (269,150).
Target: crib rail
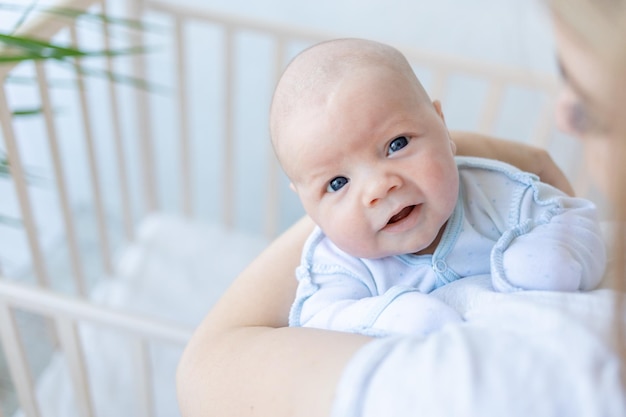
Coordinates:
(66,313)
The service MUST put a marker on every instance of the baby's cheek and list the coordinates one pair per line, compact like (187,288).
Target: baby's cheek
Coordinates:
(353,236)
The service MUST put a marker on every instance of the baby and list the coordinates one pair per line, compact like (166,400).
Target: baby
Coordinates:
(398,215)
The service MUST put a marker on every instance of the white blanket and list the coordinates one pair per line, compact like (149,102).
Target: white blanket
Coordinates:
(522,354)
(174,272)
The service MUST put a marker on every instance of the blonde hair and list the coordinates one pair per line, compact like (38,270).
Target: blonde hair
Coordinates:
(600,27)
(597,23)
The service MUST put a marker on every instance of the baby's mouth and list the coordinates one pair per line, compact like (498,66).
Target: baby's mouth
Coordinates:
(401,215)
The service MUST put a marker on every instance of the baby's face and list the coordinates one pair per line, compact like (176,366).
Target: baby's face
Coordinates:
(374,166)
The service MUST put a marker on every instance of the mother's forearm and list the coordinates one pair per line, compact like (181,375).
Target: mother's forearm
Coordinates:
(261,371)
(526,157)
(240,361)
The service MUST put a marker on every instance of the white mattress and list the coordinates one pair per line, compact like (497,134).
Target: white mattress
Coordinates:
(175,271)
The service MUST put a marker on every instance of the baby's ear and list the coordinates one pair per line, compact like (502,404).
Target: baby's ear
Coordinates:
(437,106)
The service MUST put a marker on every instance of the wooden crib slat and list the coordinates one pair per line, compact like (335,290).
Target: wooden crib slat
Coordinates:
(17,361)
(68,218)
(228,167)
(185,168)
(103,232)
(144,123)
(120,155)
(439,85)
(21,187)
(544,125)
(491,107)
(75,360)
(272,198)
(141,356)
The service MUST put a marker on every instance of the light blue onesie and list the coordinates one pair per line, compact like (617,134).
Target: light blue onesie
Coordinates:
(526,234)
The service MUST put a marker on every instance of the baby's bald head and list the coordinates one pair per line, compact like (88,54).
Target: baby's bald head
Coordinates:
(313,75)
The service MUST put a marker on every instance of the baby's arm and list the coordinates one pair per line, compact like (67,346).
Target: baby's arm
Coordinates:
(343,302)
(557,245)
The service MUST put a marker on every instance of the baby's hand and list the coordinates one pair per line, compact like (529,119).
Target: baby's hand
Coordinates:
(541,266)
(415,313)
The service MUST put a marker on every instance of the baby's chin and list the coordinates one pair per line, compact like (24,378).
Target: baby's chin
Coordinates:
(386,245)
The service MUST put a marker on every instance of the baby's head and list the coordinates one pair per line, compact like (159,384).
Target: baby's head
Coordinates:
(364,147)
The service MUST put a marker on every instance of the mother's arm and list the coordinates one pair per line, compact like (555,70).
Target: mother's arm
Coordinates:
(525,157)
(243,361)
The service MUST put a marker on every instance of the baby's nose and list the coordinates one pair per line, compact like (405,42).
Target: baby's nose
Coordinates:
(379,187)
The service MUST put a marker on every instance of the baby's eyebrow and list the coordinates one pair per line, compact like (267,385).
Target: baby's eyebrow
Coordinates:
(317,176)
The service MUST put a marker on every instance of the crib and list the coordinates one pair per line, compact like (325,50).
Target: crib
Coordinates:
(145,182)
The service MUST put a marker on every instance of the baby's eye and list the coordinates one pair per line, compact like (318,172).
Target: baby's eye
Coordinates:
(336,183)
(397,144)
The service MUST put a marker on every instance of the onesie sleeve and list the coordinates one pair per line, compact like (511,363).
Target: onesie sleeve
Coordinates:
(341,294)
(554,243)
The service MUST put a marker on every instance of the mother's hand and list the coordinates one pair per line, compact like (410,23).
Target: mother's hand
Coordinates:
(525,157)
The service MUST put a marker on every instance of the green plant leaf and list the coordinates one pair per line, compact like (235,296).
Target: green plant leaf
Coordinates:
(83,15)
(119,78)
(36,180)
(16,48)
(101,18)
(24,16)
(36,49)
(30,81)
(27,112)
(4,167)
(10,221)
(101,73)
